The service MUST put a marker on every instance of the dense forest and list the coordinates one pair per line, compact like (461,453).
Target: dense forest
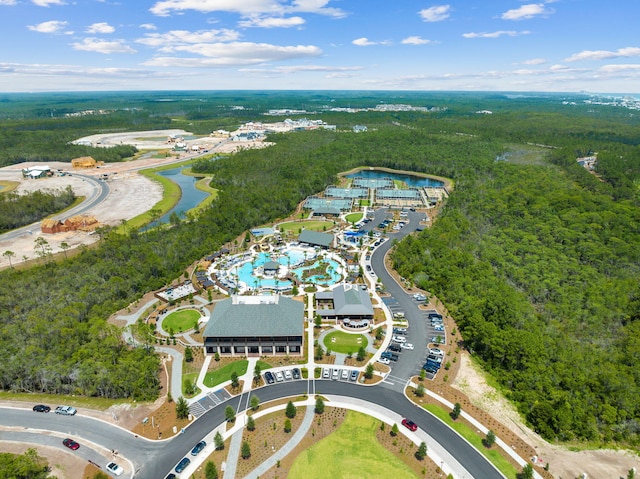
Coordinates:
(19,210)
(536,258)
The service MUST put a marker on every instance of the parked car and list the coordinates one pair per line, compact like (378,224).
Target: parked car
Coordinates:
(436,351)
(354,375)
(71,444)
(198,447)
(66,410)
(395,347)
(412,426)
(386,354)
(438,327)
(171,476)
(279,376)
(41,408)
(182,465)
(399,339)
(400,330)
(326,374)
(268,376)
(384,361)
(437,340)
(334,374)
(287,375)
(296,373)
(114,469)
(345,374)
(407,346)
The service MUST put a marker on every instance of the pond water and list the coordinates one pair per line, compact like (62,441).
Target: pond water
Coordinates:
(191,196)
(411,180)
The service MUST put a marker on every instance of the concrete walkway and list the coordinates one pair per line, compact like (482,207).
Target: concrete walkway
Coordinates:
(234,452)
(280,454)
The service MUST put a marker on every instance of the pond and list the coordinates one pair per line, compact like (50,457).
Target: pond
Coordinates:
(190,195)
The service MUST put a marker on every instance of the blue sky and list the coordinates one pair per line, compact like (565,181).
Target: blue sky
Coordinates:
(502,45)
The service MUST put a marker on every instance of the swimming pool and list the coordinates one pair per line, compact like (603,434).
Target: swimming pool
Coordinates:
(250,273)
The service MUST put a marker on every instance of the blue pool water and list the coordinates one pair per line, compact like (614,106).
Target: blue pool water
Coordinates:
(292,258)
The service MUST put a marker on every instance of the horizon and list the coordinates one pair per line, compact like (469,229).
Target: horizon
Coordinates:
(546,46)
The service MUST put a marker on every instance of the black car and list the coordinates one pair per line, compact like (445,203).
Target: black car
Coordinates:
(296,373)
(269,377)
(171,476)
(182,465)
(41,408)
(394,347)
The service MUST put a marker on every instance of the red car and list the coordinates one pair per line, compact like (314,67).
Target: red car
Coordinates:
(410,425)
(71,444)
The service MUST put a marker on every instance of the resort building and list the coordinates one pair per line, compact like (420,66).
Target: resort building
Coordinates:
(348,304)
(256,326)
(315,238)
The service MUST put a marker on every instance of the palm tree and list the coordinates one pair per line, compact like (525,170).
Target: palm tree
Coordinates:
(64,246)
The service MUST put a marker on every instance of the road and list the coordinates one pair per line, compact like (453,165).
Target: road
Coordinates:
(100,192)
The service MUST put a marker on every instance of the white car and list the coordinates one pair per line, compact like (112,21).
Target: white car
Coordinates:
(114,469)
(399,339)
(436,351)
(384,361)
(287,375)
(407,346)
(438,327)
(345,374)
(279,376)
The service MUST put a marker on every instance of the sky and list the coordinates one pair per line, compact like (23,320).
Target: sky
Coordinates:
(475,45)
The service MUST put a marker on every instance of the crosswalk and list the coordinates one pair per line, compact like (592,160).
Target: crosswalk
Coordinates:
(208,402)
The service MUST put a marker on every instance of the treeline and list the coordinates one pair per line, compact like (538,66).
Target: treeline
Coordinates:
(20,210)
(541,274)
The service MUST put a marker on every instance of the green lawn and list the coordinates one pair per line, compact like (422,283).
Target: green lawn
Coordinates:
(263,365)
(354,217)
(352,451)
(213,378)
(314,225)
(345,343)
(475,440)
(181,321)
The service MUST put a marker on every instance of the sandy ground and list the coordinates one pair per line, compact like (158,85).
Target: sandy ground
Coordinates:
(131,193)
(563,464)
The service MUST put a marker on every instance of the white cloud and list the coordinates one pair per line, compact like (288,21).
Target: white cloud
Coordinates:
(272,22)
(46,3)
(526,12)
(148,26)
(235,53)
(168,41)
(436,13)
(365,42)
(102,46)
(53,26)
(101,27)
(7,2)
(415,40)
(604,54)
(301,68)
(620,68)
(534,61)
(499,33)
(247,7)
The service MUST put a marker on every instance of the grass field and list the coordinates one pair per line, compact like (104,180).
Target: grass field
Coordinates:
(352,451)
(180,321)
(296,226)
(475,439)
(354,217)
(213,378)
(345,343)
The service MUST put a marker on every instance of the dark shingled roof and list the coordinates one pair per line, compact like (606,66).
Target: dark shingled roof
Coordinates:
(275,316)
